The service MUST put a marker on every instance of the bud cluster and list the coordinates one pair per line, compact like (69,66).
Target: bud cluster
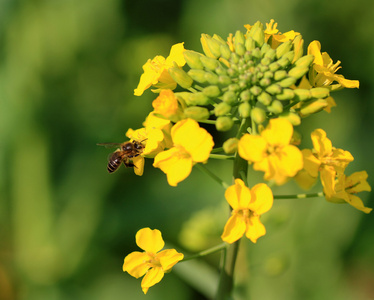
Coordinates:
(246,77)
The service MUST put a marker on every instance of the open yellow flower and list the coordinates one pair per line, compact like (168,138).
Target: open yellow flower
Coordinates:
(156,71)
(247,207)
(166,104)
(192,144)
(323,73)
(152,263)
(347,186)
(326,160)
(271,151)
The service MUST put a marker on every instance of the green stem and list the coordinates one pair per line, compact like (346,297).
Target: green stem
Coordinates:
(300,196)
(226,281)
(203,169)
(222,156)
(214,249)
(217,150)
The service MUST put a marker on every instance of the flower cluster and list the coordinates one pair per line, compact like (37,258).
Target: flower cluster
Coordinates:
(256,86)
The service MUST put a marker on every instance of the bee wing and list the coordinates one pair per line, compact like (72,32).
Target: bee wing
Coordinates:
(109,145)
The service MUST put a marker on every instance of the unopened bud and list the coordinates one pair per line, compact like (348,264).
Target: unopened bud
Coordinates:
(230,97)
(292,117)
(279,75)
(257,33)
(222,109)
(258,115)
(320,92)
(265,98)
(193,59)
(239,37)
(283,49)
(287,94)
(276,107)
(289,56)
(225,51)
(212,91)
(287,82)
(224,123)
(305,61)
(302,94)
(275,66)
(197,113)
(211,47)
(209,63)
(180,77)
(298,44)
(197,75)
(197,99)
(230,146)
(298,72)
(313,106)
(249,43)
(224,80)
(211,78)
(274,89)
(244,110)
(245,95)
(240,49)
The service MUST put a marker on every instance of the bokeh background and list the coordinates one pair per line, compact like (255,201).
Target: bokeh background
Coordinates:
(67,73)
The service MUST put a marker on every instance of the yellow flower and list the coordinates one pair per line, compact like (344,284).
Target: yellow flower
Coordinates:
(271,151)
(192,144)
(156,71)
(323,73)
(166,104)
(152,263)
(346,187)
(326,160)
(247,207)
(276,36)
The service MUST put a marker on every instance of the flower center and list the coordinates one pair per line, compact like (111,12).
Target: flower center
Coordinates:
(154,261)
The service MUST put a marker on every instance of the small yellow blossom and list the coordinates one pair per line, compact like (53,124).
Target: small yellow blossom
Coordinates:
(271,151)
(166,104)
(326,160)
(192,144)
(323,73)
(247,207)
(152,263)
(156,70)
(347,186)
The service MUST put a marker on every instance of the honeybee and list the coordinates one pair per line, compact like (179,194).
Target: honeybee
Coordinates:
(125,153)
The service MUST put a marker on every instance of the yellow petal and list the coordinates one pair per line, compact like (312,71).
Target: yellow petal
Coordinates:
(194,139)
(135,264)
(328,175)
(311,163)
(234,229)
(238,195)
(321,143)
(304,180)
(255,229)
(175,163)
(152,277)
(356,182)
(262,199)
(176,55)
(290,160)
(149,240)
(138,162)
(357,203)
(314,48)
(152,71)
(278,132)
(168,258)
(252,147)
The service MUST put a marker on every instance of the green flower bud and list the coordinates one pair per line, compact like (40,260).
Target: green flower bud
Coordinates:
(197,99)
(275,66)
(266,61)
(211,47)
(221,70)
(193,59)
(283,49)
(304,61)
(225,51)
(274,89)
(268,74)
(255,90)
(224,80)
(256,53)
(244,109)
(224,123)
(289,55)
(287,94)
(180,77)
(292,117)
(219,39)
(222,109)
(320,92)
(212,91)
(279,75)
(211,78)
(298,72)
(257,33)
(249,44)
(264,82)
(230,97)
(197,75)
(234,58)
(245,95)
(265,48)
(197,113)
(270,54)
(239,49)
(209,63)
(265,98)
(298,44)
(302,94)
(258,115)
(287,82)
(283,62)
(313,106)
(239,37)
(230,146)
(234,87)
(276,107)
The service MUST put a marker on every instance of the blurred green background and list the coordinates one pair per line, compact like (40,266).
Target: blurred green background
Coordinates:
(67,73)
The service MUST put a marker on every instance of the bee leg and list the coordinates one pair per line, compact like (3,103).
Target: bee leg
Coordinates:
(129,164)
